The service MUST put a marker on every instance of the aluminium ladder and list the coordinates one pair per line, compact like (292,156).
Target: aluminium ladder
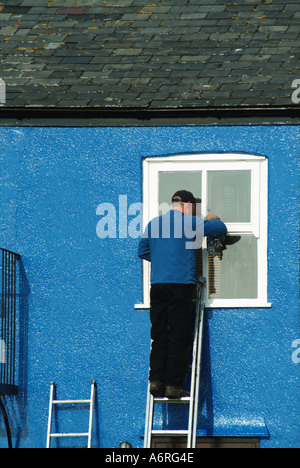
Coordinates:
(193,400)
(90,402)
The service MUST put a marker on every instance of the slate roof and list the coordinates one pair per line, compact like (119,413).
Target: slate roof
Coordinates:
(149,54)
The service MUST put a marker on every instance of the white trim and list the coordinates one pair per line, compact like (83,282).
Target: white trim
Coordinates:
(237,304)
(146,219)
(263,239)
(258,225)
(225,304)
(206,157)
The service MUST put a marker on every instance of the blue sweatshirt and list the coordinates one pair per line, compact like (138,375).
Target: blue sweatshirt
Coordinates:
(170,242)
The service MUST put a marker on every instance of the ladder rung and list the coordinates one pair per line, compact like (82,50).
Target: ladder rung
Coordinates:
(71,402)
(162,432)
(72,434)
(172,400)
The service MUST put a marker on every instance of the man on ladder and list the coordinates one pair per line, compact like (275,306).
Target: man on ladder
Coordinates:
(170,243)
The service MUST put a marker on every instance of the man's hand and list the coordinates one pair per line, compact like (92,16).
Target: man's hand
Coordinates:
(211,216)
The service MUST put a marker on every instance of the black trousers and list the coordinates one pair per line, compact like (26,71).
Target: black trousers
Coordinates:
(171,315)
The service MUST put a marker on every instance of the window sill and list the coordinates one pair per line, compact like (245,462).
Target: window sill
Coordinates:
(218,304)
(237,304)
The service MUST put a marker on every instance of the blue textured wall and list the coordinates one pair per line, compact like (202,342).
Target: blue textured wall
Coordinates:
(81,318)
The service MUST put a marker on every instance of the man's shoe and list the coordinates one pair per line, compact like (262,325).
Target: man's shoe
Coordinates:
(157,389)
(176,392)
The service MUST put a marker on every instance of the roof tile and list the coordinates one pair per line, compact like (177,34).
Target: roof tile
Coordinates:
(166,54)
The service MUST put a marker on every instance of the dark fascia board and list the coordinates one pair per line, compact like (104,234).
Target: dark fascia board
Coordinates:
(58,116)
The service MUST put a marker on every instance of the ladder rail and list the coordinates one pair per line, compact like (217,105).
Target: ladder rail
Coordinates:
(149,418)
(193,441)
(91,418)
(52,388)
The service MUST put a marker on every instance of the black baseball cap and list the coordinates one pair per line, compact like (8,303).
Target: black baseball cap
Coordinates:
(184,196)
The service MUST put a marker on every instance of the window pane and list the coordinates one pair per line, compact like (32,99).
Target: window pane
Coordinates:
(229,195)
(171,182)
(235,276)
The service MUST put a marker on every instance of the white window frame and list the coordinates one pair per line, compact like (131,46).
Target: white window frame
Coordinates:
(258,224)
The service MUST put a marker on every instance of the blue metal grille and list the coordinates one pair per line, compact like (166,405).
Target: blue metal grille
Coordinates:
(8,321)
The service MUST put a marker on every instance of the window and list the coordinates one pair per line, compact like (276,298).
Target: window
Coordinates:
(234,187)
